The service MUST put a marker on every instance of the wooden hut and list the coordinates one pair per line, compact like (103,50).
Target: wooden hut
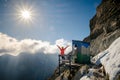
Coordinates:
(81,52)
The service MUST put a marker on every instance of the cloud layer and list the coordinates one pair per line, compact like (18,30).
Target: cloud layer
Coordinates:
(12,46)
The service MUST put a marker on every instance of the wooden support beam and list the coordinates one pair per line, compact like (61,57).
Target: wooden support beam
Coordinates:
(59,63)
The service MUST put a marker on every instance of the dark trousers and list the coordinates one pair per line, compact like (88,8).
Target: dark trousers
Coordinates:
(63,57)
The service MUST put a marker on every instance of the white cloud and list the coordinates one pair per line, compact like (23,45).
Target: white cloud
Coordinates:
(9,45)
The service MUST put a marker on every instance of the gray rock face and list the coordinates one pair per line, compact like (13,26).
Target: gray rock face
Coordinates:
(104,26)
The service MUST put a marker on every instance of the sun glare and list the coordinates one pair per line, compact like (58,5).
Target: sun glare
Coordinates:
(26,14)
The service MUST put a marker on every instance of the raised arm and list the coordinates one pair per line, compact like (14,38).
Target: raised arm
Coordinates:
(58,47)
(66,47)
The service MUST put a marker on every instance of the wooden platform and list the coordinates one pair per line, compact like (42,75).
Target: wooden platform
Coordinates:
(65,61)
(73,64)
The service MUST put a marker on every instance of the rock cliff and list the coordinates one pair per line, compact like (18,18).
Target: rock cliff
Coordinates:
(104,26)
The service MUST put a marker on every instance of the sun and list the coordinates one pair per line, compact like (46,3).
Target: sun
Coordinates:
(25,14)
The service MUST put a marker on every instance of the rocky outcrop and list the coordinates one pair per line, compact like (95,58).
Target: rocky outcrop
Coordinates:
(104,26)
(91,71)
(65,74)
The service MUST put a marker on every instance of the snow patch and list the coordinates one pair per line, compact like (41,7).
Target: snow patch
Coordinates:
(110,59)
(85,78)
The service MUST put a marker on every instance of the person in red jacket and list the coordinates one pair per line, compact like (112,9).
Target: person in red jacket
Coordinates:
(62,51)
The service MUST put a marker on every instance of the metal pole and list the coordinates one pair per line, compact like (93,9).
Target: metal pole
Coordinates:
(70,64)
(59,64)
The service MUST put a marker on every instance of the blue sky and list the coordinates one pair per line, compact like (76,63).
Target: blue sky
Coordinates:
(52,19)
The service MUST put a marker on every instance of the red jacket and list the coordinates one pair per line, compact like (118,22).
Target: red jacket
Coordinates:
(62,49)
